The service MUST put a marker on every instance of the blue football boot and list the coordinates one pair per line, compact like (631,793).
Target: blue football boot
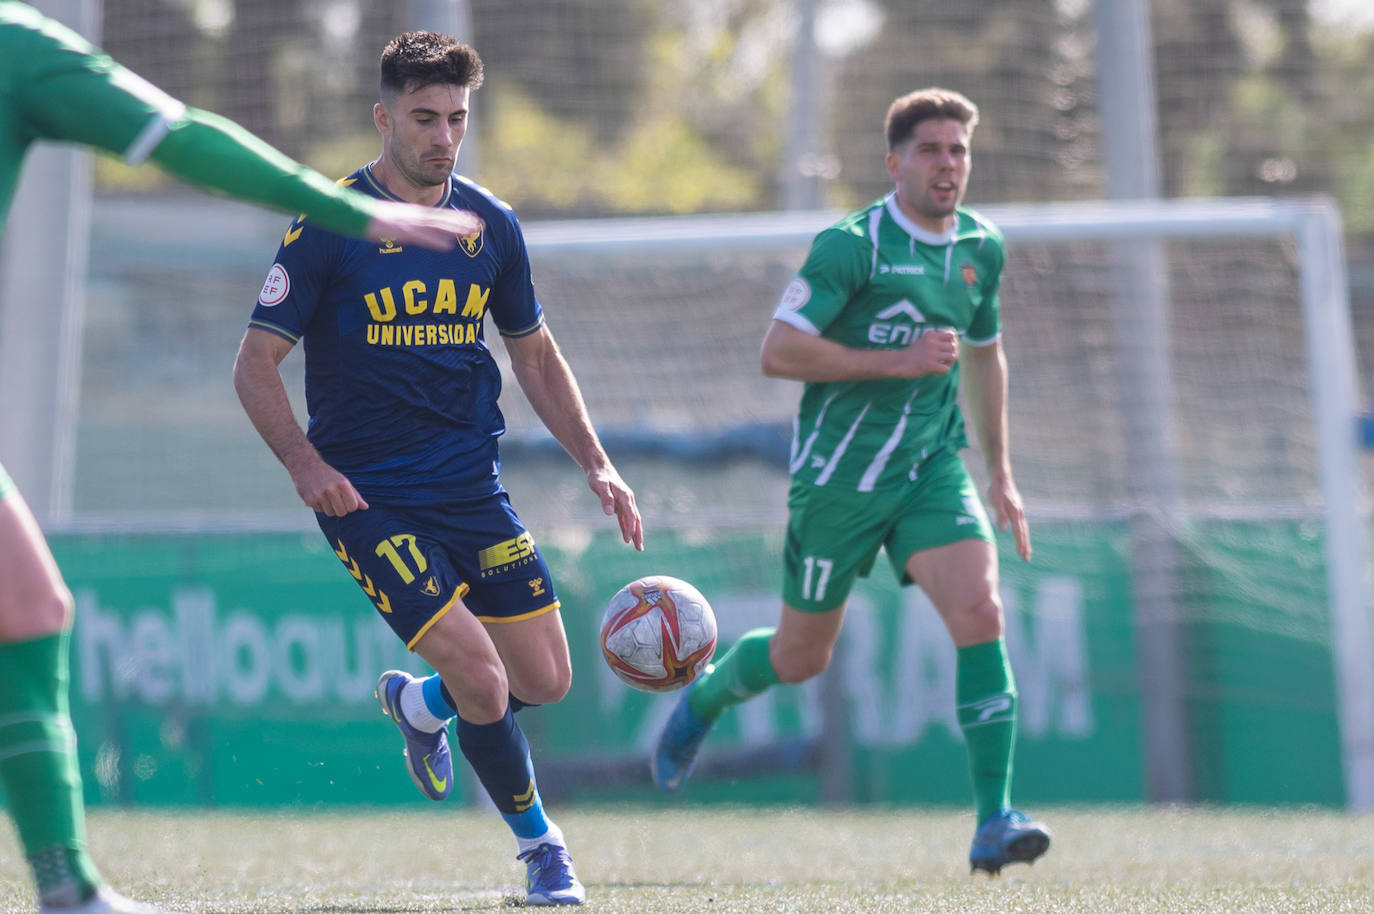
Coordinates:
(549,876)
(427,756)
(1007,836)
(678,745)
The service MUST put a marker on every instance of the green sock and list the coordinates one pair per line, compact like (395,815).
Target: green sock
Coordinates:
(986,696)
(742,673)
(38,768)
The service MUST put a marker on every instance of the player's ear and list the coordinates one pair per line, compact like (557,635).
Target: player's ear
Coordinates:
(893,165)
(381,118)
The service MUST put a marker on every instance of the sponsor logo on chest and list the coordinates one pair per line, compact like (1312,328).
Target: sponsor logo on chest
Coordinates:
(896,325)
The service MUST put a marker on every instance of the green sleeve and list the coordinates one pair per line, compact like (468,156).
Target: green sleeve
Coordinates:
(836,268)
(64,89)
(215,153)
(986,324)
(59,87)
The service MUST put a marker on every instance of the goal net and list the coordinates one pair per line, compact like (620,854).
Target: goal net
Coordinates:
(1182,413)
(1182,384)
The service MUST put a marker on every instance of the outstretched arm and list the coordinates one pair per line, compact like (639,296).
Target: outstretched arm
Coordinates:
(257,379)
(985,385)
(217,154)
(70,91)
(549,385)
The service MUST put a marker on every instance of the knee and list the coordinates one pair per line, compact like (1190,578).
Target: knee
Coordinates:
(798,663)
(58,608)
(480,692)
(544,693)
(982,621)
(38,616)
(549,687)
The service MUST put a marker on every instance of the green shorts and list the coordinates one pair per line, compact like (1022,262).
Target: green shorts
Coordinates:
(833,535)
(7,485)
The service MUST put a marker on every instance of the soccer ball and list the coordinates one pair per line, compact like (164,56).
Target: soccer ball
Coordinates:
(658,633)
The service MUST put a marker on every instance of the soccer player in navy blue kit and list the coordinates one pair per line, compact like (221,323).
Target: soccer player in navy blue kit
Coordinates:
(401,463)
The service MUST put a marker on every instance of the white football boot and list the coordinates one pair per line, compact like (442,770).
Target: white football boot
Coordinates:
(107,901)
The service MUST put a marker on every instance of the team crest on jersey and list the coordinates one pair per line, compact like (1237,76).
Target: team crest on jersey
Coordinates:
(471,245)
(389,246)
(970,275)
(430,588)
(276,287)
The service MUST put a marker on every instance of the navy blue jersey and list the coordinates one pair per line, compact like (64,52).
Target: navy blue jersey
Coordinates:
(399,383)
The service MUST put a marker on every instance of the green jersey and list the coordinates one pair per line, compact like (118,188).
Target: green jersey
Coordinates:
(876,280)
(54,85)
(57,87)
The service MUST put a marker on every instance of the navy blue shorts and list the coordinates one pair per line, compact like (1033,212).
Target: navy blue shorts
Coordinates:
(416,562)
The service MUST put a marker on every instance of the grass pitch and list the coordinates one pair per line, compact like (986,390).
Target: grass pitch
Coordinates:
(675,860)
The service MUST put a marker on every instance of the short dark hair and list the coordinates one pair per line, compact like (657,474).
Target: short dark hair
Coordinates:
(417,59)
(922,105)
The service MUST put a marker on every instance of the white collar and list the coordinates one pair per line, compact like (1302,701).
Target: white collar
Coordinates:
(925,236)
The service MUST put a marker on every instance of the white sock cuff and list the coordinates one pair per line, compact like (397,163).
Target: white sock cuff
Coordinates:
(553,836)
(416,712)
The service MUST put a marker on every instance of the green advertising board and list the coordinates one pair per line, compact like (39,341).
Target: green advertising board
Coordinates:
(237,669)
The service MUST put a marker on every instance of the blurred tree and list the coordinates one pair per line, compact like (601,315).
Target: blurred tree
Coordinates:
(1018,66)
(260,44)
(609,106)
(584,62)
(1238,98)
(153,39)
(617,107)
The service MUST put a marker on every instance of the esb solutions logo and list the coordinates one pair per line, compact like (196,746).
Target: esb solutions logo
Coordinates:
(193,654)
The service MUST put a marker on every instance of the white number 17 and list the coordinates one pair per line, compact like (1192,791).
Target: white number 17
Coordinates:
(814,565)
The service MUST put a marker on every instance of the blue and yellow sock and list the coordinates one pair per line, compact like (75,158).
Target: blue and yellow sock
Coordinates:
(500,755)
(440,701)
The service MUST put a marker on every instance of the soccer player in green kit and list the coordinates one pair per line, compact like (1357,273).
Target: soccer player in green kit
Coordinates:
(893,304)
(56,86)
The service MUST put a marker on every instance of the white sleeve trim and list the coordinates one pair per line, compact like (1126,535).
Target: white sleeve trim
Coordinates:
(153,133)
(979,344)
(792,318)
(169,110)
